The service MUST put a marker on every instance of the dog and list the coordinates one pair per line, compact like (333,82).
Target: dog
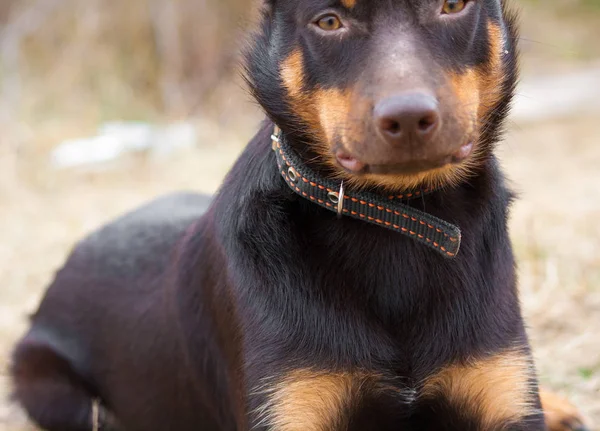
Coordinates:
(354,272)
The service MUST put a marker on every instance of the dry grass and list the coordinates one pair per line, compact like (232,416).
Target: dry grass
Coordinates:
(44,212)
(555,230)
(96,60)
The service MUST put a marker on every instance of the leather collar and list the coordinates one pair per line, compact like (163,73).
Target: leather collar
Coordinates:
(385,211)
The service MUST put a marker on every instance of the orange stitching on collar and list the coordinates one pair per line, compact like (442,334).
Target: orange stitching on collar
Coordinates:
(380,208)
(364,202)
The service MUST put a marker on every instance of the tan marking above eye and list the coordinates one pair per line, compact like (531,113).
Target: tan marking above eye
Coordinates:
(496,389)
(349,4)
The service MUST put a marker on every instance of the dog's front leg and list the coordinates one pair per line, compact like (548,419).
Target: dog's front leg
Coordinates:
(496,392)
(561,415)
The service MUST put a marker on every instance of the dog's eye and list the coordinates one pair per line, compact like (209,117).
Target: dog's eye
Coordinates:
(453,6)
(329,22)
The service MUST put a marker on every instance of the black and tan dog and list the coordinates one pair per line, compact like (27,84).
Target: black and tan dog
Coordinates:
(353,273)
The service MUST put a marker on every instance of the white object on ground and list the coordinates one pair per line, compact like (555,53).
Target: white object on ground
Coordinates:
(118,138)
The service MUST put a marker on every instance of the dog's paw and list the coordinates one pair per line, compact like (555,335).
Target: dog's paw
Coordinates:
(560,414)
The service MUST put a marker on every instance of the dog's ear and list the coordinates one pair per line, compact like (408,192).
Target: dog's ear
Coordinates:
(267,5)
(266,8)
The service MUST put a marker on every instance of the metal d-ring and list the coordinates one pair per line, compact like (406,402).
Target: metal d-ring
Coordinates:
(338,199)
(95,415)
(340,205)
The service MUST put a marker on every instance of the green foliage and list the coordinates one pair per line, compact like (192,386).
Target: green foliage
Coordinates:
(595,4)
(586,373)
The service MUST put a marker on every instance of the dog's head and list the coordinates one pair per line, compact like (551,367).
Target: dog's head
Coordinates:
(392,93)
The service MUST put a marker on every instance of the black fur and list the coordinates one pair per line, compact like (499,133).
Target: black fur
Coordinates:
(172,316)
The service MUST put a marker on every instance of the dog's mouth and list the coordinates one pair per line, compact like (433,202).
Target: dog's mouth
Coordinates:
(354,165)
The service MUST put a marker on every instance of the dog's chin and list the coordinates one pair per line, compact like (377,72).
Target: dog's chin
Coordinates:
(394,181)
(408,175)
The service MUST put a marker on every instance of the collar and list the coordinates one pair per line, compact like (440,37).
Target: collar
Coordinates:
(385,211)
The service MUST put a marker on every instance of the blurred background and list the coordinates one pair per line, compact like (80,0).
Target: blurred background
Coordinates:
(105,104)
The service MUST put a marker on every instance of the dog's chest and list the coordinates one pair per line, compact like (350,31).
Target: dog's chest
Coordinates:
(481,395)
(311,400)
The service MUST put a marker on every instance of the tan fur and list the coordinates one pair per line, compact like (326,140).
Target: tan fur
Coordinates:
(333,107)
(559,413)
(349,4)
(309,400)
(492,76)
(306,400)
(479,90)
(466,90)
(323,111)
(303,103)
(496,389)
(433,179)
(292,75)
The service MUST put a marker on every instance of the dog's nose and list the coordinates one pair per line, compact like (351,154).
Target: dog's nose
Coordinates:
(412,118)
